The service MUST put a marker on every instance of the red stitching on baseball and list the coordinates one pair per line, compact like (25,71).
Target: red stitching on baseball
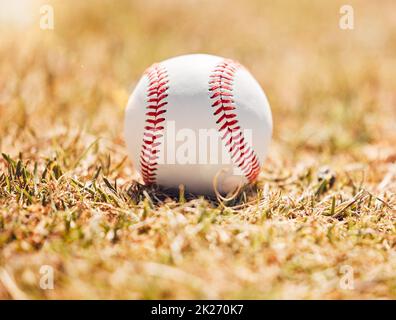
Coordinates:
(221,86)
(157,92)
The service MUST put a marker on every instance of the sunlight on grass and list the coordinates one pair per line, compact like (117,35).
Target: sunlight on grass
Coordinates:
(325,199)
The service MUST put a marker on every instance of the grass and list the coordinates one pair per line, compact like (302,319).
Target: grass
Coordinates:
(325,201)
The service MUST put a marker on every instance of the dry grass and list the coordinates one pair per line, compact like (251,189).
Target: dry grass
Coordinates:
(65,183)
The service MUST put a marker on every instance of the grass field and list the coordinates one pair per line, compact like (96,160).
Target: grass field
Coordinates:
(321,223)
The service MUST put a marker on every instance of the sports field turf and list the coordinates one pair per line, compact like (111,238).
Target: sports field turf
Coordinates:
(321,222)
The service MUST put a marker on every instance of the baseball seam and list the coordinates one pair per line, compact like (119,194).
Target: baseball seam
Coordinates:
(221,86)
(157,92)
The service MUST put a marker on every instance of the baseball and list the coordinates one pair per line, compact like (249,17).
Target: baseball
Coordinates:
(198,120)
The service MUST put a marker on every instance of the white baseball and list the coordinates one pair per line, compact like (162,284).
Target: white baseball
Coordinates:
(175,110)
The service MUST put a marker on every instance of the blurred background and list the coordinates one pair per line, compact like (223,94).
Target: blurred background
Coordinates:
(329,88)
(63,89)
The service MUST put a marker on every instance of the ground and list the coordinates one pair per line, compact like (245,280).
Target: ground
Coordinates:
(320,223)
